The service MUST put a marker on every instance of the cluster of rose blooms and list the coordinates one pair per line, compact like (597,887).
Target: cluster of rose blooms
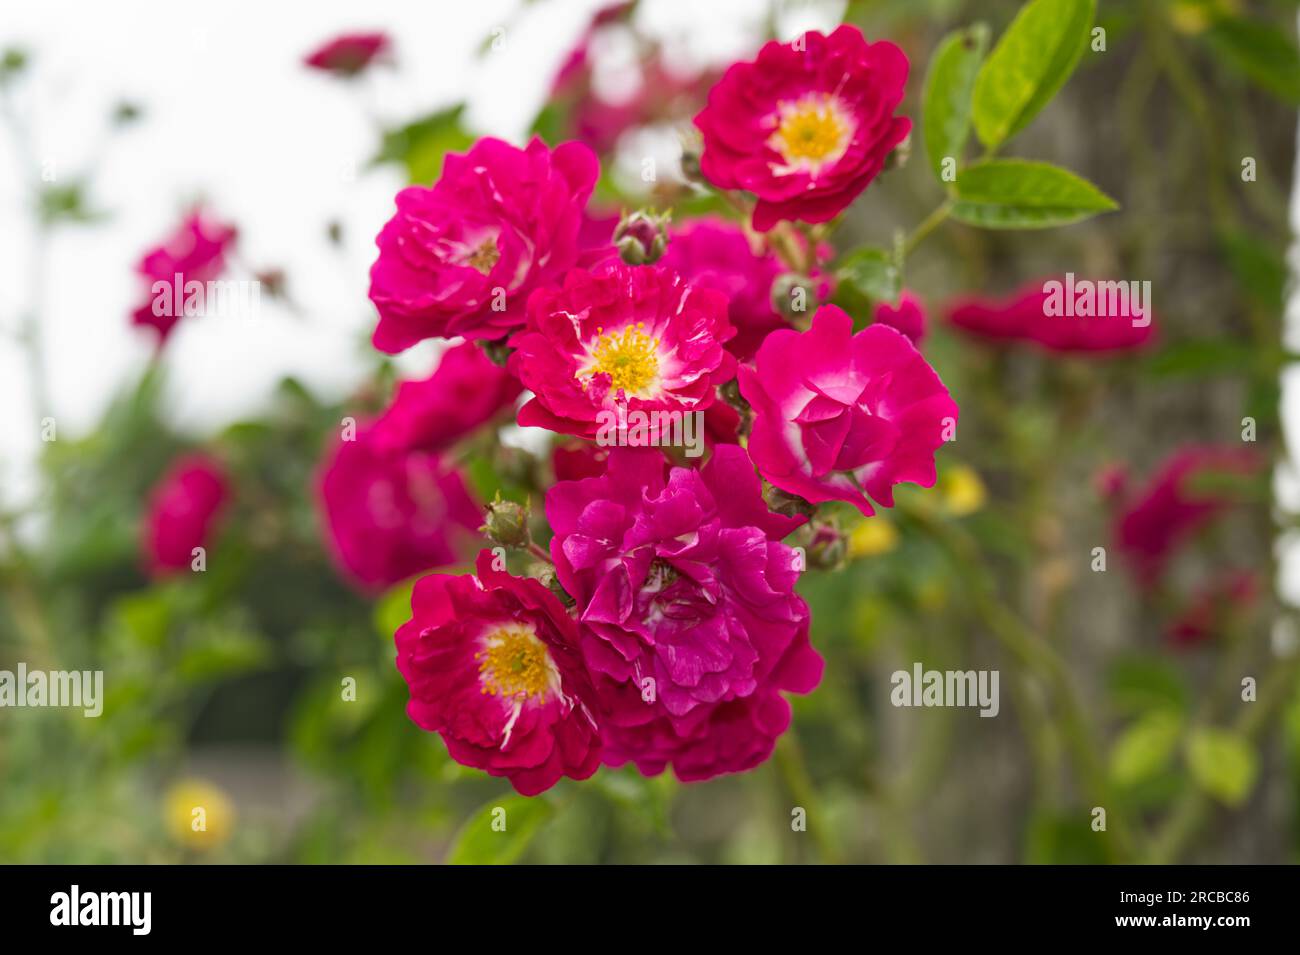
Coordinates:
(670,628)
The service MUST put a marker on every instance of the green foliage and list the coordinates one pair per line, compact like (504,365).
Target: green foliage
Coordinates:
(1222,763)
(420,145)
(517,821)
(1021,194)
(946,102)
(1030,63)
(1261,52)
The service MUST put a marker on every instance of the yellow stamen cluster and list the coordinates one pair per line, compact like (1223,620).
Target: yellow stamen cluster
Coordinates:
(810,129)
(485,256)
(629,357)
(514,663)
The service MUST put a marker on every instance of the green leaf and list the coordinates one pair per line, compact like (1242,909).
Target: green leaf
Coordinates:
(872,272)
(1030,63)
(1137,684)
(1204,358)
(1021,194)
(1261,51)
(393,609)
(478,843)
(946,103)
(1223,764)
(421,145)
(1146,747)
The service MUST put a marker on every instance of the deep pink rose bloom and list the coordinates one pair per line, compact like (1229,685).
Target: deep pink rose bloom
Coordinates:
(907,317)
(838,416)
(632,335)
(184,510)
(1023,317)
(466,390)
(578,459)
(196,252)
(349,54)
(715,254)
(391,515)
(690,621)
(805,130)
(1153,525)
(461,257)
(494,669)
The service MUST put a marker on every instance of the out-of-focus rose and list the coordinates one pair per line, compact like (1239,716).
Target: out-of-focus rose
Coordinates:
(183,513)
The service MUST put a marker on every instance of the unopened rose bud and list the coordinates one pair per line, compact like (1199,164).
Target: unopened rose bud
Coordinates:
(641,237)
(506,523)
(791,505)
(827,549)
(794,295)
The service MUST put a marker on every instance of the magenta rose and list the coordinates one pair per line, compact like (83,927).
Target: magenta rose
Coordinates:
(805,130)
(465,391)
(1153,524)
(690,623)
(494,668)
(194,252)
(184,510)
(839,416)
(632,336)
(349,54)
(461,257)
(1025,316)
(908,317)
(393,514)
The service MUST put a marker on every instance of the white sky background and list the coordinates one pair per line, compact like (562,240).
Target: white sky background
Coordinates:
(230,114)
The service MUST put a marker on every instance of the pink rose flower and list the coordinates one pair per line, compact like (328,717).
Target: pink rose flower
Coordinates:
(631,336)
(1024,317)
(184,510)
(907,317)
(194,252)
(392,514)
(805,130)
(460,258)
(1152,525)
(715,254)
(466,390)
(350,54)
(690,622)
(494,669)
(839,416)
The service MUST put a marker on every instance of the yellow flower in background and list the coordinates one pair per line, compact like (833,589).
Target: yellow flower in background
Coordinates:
(873,536)
(198,815)
(961,491)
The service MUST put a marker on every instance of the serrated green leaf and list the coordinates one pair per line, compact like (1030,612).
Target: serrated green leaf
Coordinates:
(946,103)
(478,843)
(1029,64)
(1146,747)
(872,272)
(1022,194)
(1222,763)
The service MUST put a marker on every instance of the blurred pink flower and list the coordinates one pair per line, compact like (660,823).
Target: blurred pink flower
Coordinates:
(494,668)
(465,391)
(1212,606)
(194,252)
(807,126)
(392,514)
(349,54)
(907,317)
(460,258)
(839,416)
(183,513)
(624,335)
(1153,524)
(690,622)
(1024,317)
